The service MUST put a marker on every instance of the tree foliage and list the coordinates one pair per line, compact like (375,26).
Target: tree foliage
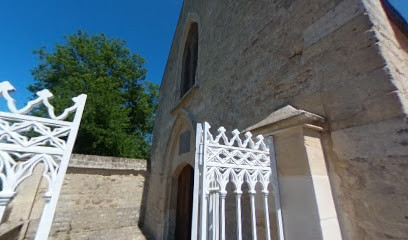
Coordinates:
(121,105)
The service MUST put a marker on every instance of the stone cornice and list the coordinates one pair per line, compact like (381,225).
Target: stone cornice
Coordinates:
(286,118)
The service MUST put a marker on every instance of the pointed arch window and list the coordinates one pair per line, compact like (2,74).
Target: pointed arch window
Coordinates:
(190,56)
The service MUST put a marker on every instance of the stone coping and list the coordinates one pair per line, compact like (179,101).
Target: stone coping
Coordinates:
(106,162)
(286,117)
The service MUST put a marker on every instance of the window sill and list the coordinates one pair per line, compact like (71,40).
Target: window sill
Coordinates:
(189,94)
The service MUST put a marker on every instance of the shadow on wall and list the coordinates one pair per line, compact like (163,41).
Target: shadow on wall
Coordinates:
(142,213)
(12,234)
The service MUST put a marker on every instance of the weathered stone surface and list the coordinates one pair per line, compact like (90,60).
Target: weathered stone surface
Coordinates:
(102,162)
(340,59)
(332,20)
(101,198)
(393,44)
(390,139)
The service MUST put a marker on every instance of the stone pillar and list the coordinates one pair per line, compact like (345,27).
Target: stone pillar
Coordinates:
(306,199)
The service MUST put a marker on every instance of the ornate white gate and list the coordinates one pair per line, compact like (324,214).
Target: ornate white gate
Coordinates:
(220,160)
(26,141)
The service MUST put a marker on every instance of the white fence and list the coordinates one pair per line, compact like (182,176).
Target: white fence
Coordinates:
(26,141)
(221,160)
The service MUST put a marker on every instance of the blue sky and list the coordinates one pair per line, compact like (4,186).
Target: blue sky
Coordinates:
(146,25)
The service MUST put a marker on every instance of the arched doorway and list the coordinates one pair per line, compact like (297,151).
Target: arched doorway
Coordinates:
(180,156)
(184,203)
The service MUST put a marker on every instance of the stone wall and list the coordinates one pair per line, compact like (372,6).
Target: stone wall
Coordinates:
(101,198)
(340,59)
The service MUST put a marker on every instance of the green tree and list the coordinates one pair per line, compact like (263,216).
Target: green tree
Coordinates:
(121,105)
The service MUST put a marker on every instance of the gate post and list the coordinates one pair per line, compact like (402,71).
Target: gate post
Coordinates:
(276,191)
(308,208)
(196,190)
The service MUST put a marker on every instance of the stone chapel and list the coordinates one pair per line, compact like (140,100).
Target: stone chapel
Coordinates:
(327,79)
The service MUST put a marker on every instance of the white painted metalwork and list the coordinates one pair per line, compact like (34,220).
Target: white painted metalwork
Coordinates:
(220,160)
(26,141)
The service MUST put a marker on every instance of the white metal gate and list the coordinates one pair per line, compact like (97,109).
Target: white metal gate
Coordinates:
(220,160)
(26,141)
